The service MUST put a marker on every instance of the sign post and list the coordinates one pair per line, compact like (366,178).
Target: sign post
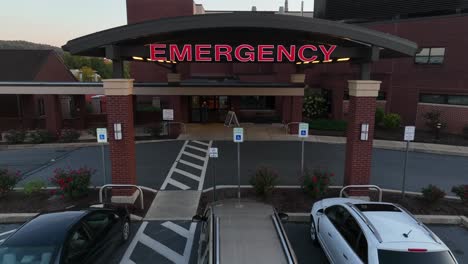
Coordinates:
(238,137)
(101,135)
(214,155)
(168,115)
(409,136)
(303,133)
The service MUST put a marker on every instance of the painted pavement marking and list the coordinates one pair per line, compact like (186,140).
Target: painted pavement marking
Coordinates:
(193,165)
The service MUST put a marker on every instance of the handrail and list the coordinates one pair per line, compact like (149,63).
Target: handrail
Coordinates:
(431,234)
(284,241)
(184,128)
(363,186)
(142,204)
(366,221)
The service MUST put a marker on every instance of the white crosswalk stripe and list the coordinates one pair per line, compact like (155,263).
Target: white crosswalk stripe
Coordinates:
(201,143)
(178,184)
(193,165)
(197,148)
(193,155)
(187,174)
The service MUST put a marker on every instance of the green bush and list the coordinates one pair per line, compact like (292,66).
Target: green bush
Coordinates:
(15,136)
(264,181)
(328,124)
(432,193)
(379,116)
(316,183)
(8,180)
(34,187)
(69,135)
(154,130)
(433,119)
(391,121)
(72,183)
(315,106)
(461,191)
(40,136)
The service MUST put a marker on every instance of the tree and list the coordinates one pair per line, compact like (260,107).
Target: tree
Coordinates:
(87,74)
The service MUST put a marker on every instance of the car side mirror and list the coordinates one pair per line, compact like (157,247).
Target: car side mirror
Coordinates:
(198,218)
(283,217)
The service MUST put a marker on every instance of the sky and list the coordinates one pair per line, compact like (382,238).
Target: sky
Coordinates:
(55,22)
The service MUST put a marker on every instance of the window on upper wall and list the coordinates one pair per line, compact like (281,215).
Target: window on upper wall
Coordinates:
(40,107)
(430,56)
(444,99)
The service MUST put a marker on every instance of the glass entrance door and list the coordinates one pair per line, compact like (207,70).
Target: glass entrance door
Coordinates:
(208,109)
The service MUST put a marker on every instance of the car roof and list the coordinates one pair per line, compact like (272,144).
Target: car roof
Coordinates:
(45,229)
(247,233)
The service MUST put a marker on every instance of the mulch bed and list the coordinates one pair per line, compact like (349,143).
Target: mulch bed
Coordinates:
(18,202)
(297,201)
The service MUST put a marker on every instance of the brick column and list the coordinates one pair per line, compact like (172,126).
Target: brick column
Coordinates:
(362,105)
(119,103)
(292,106)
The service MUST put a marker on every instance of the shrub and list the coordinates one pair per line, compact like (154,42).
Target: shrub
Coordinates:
(317,182)
(8,180)
(34,187)
(327,124)
(379,116)
(465,132)
(69,135)
(391,121)
(432,193)
(432,119)
(40,136)
(15,136)
(461,191)
(315,106)
(264,181)
(154,130)
(72,183)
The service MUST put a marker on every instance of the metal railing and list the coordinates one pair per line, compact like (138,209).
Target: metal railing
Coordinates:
(366,221)
(379,190)
(139,188)
(287,248)
(182,125)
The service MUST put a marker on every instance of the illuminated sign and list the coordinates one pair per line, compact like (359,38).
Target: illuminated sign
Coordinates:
(240,53)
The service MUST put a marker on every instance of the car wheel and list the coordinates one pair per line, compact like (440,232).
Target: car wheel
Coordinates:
(126,231)
(313,232)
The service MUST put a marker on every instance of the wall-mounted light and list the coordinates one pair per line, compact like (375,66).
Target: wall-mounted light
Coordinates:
(160,60)
(137,58)
(343,59)
(327,61)
(118,131)
(316,61)
(299,62)
(365,132)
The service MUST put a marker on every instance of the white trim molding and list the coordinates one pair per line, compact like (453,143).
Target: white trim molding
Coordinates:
(118,86)
(364,88)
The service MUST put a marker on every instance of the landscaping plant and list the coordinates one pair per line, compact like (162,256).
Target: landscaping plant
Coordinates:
(379,116)
(72,183)
(432,193)
(432,119)
(316,183)
(40,136)
(8,180)
(15,136)
(461,191)
(264,181)
(391,121)
(328,124)
(315,106)
(34,187)
(69,135)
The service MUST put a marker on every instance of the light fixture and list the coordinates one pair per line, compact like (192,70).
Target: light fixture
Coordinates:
(316,61)
(168,61)
(174,62)
(299,62)
(149,59)
(325,61)
(306,62)
(160,60)
(343,59)
(137,58)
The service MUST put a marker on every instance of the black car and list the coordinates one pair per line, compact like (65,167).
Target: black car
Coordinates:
(72,236)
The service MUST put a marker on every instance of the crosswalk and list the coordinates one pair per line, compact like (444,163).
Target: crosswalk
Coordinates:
(189,169)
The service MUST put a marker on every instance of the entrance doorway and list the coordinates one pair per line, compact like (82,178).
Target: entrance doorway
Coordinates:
(208,109)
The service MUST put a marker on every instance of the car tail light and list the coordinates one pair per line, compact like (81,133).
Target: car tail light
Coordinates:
(417,250)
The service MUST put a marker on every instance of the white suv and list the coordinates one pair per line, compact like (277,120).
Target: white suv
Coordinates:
(356,231)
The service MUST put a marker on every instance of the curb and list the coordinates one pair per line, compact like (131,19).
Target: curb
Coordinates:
(16,218)
(425,219)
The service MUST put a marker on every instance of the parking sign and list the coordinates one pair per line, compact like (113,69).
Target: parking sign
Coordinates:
(409,133)
(238,135)
(303,130)
(101,135)
(213,152)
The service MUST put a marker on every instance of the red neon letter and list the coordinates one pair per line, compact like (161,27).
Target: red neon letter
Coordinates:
(155,49)
(185,55)
(327,53)
(290,55)
(301,53)
(199,52)
(262,52)
(250,54)
(227,52)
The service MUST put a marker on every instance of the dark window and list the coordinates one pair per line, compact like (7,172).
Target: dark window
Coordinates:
(391,257)
(100,223)
(444,99)
(257,102)
(337,214)
(430,56)
(77,245)
(377,208)
(40,107)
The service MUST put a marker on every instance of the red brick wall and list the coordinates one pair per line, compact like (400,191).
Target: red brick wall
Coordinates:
(379,104)
(456,117)
(144,10)
(359,153)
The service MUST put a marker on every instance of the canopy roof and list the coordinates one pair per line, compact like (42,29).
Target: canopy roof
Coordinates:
(242,28)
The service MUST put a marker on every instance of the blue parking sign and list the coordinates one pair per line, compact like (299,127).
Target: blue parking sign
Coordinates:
(102,137)
(238,135)
(303,130)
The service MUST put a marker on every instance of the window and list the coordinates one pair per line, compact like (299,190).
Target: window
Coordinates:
(100,223)
(430,56)
(444,99)
(77,245)
(389,256)
(40,107)
(257,102)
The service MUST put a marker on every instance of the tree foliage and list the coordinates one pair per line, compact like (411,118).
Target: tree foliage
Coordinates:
(102,66)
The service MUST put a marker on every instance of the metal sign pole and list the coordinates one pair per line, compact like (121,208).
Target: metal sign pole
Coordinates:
(404,171)
(302,158)
(214,182)
(238,172)
(103,164)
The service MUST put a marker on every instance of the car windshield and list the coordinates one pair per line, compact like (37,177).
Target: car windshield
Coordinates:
(27,255)
(402,257)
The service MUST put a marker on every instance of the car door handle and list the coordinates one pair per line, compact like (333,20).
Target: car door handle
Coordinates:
(345,256)
(329,234)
